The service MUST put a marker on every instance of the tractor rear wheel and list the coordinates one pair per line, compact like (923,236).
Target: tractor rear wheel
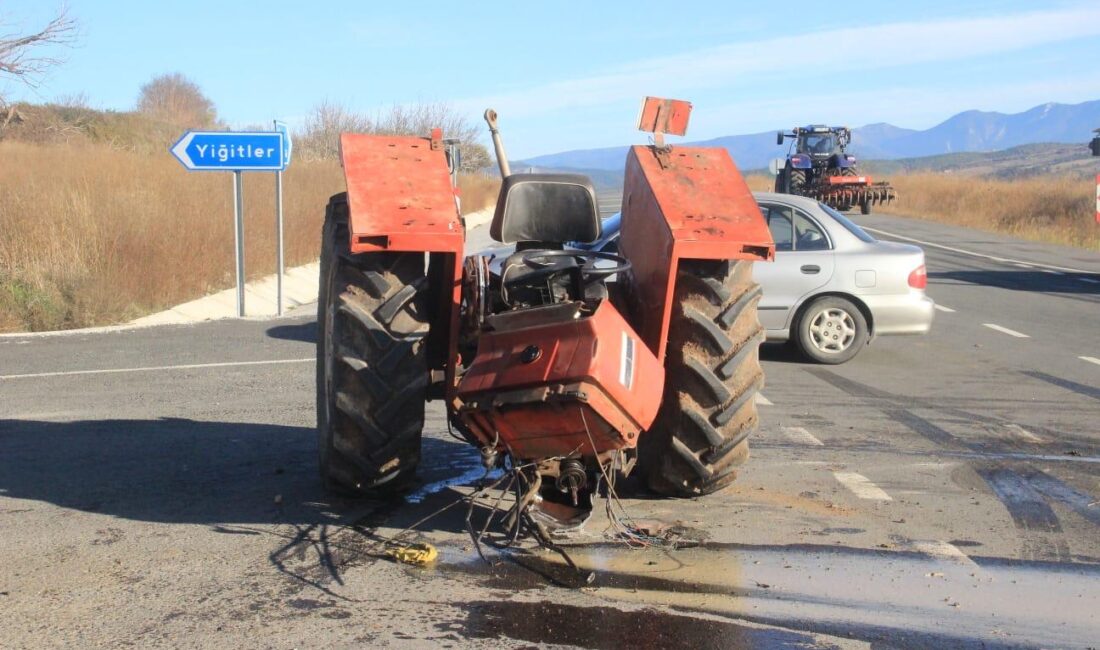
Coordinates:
(372,372)
(796,181)
(712,377)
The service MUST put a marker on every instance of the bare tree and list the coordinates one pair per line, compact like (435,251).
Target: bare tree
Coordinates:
(175,99)
(320,135)
(73,100)
(419,119)
(22,56)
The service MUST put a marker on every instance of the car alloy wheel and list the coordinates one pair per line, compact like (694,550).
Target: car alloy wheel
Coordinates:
(832,330)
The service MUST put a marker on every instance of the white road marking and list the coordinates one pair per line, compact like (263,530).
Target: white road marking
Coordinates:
(763,401)
(1024,434)
(41,415)
(862,486)
(1052,271)
(935,465)
(940,307)
(1090,360)
(974,254)
(801,436)
(1022,265)
(1089,280)
(189,366)
(1005,330)
(943,550)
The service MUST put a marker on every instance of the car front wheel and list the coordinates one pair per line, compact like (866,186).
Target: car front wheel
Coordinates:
(831,330)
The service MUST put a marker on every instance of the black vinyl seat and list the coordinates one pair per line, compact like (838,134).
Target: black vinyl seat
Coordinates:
(546,209)
(542,212)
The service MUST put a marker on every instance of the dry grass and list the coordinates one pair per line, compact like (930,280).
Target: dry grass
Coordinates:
(93,235)
(760,182)
(1046,208)
(1054,209)
(90,235)
(477,191)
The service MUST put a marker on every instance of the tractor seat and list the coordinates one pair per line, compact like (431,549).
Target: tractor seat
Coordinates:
(545,210)
(542,212)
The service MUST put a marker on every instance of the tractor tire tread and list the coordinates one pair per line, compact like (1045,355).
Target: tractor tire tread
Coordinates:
(713,334)
(372,376)
(712,375)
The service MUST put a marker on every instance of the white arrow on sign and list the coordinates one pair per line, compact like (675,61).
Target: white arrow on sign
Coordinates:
(180,150)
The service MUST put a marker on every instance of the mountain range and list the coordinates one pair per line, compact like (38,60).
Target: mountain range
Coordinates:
(966,131)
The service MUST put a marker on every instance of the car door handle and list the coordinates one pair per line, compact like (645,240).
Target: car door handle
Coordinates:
(811,269)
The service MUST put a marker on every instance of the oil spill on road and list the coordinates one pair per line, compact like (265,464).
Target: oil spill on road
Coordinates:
(460,466)
(609,628)
(875,595)
(615,566)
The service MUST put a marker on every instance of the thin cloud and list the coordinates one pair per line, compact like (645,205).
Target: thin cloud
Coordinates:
(851,49)
(917,107)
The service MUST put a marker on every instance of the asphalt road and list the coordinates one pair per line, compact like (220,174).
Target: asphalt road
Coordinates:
(158,487)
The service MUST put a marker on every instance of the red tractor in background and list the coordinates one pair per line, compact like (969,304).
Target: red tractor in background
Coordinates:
(559,369)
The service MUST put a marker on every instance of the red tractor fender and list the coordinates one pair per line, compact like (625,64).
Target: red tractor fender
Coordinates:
(683,203)
(400,198)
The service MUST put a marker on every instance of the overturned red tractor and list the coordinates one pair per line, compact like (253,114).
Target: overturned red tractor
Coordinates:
(564,366)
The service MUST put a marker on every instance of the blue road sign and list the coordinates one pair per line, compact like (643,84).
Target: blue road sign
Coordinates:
(288,146)
(232,150)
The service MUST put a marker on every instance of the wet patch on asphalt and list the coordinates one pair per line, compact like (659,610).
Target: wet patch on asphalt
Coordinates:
(609,628)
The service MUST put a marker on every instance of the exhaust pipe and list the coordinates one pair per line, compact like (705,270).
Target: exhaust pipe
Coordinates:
(498,144)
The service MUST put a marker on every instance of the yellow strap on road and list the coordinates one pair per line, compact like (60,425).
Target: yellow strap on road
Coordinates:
(415,554)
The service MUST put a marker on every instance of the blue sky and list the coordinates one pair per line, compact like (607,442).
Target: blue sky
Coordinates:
(571,74)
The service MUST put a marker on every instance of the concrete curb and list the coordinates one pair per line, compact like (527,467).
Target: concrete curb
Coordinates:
(299,288)
(479,218)
(300,285)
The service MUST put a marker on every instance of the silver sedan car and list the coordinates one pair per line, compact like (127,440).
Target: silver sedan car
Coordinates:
(832,287)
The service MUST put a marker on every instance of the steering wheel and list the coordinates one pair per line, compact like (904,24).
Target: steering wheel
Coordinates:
(542,264)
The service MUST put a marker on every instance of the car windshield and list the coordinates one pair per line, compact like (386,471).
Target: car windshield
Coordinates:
(611,224)
(818,143)
(609,230)
(848,224)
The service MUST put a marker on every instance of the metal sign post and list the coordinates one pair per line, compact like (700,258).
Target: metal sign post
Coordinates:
(241,151)
(279,243)
(238,237)
(280,128)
